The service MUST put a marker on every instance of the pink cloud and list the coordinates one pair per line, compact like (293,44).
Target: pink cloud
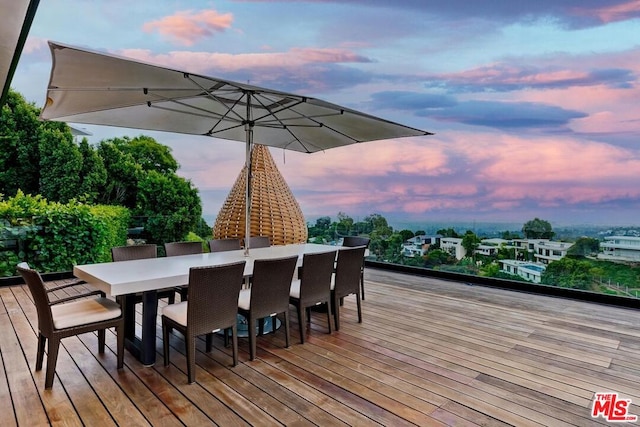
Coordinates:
(201,62)
(188,27)
(619,12)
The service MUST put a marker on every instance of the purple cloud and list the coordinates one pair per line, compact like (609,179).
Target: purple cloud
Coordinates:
(505,114)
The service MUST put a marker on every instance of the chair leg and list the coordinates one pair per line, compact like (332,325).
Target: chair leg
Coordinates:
(165,341)
(329,310)
(120,340)
(226,337)
(234,343)
(252,338)
(52,358)
(362,283)
(208,342)
(359,307)
(301,322)
(286,328)
(191,358)
(42,341)
(101,339)
(336,312)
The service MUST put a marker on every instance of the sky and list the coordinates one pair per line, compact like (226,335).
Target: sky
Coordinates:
(534,105)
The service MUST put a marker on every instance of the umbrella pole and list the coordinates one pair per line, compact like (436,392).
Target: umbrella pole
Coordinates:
(248,127)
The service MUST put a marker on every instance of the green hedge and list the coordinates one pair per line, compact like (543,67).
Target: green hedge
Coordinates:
(53,236)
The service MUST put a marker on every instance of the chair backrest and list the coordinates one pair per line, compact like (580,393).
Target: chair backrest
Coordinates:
(213,297)
(315,281)
(182,248)
(39,293)
(259,242)
(222,245)
(353,241)
(270,285)
(348,268)
(127,253)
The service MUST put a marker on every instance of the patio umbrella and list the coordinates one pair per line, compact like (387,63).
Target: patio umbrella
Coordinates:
(97,88)
(15,22)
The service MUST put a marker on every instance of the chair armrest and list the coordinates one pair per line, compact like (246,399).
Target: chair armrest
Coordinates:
(78,296)
(66,285)
(69,285)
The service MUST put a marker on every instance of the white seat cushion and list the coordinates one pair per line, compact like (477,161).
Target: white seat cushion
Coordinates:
(176,312)
(294,291)
(244,300)
(83,312)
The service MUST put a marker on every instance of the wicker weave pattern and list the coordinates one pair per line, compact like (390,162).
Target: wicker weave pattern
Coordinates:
(274,211)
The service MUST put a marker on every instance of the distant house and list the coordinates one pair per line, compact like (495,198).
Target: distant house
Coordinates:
(489,247)
(525,269)
(620,248)
(419,245)
(453,245)
(546,251)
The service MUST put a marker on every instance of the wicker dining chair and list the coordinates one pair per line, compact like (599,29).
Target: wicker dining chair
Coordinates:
(267,296)
(222,245)
(182,248)
(73,315)
(259,242)
(213,306)
(313,288)
(352,242)
(346,280)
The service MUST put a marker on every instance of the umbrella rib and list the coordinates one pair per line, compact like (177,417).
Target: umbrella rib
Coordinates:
(210,95)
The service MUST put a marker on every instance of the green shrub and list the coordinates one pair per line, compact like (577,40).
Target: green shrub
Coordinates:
(54,236)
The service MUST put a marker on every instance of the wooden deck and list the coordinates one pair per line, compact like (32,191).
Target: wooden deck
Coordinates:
(430,352)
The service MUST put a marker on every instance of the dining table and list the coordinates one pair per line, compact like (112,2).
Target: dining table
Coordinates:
(125,279)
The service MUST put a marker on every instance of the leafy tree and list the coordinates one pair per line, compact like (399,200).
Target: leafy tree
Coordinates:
(148,153)
(584,247)
(344,225)
(171,204)
(470,242)
(203,230)
(20,136)
(323,223)
(569,273)
(406,234)
(123,174)
(537,229)
(509,235)
(448,232)
(93,174)
(60,164)
(437,257)
(420,233)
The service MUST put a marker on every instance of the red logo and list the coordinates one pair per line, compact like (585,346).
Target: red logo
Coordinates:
(612,408)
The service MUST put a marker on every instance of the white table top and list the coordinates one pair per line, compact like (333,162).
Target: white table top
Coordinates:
(127,277)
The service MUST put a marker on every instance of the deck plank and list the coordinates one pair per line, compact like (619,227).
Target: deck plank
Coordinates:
(429,352)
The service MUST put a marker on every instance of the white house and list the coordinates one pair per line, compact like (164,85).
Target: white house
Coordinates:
(453,245)
(525,269)
(620,248)
(419,245)
(546,251)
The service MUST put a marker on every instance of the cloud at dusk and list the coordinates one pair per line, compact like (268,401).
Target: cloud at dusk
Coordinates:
(534,105)
(188,27)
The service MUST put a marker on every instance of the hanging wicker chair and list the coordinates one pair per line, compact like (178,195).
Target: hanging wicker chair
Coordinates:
(274,211)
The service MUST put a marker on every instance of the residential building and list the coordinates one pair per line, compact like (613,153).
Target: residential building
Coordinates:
(419,245)
(453,245)
(546,251)
(620,248)
(527,270)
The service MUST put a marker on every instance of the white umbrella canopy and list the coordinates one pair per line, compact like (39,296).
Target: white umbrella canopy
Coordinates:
(97,88)
(16,17)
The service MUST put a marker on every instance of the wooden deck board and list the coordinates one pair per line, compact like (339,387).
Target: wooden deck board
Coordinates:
(430,352)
